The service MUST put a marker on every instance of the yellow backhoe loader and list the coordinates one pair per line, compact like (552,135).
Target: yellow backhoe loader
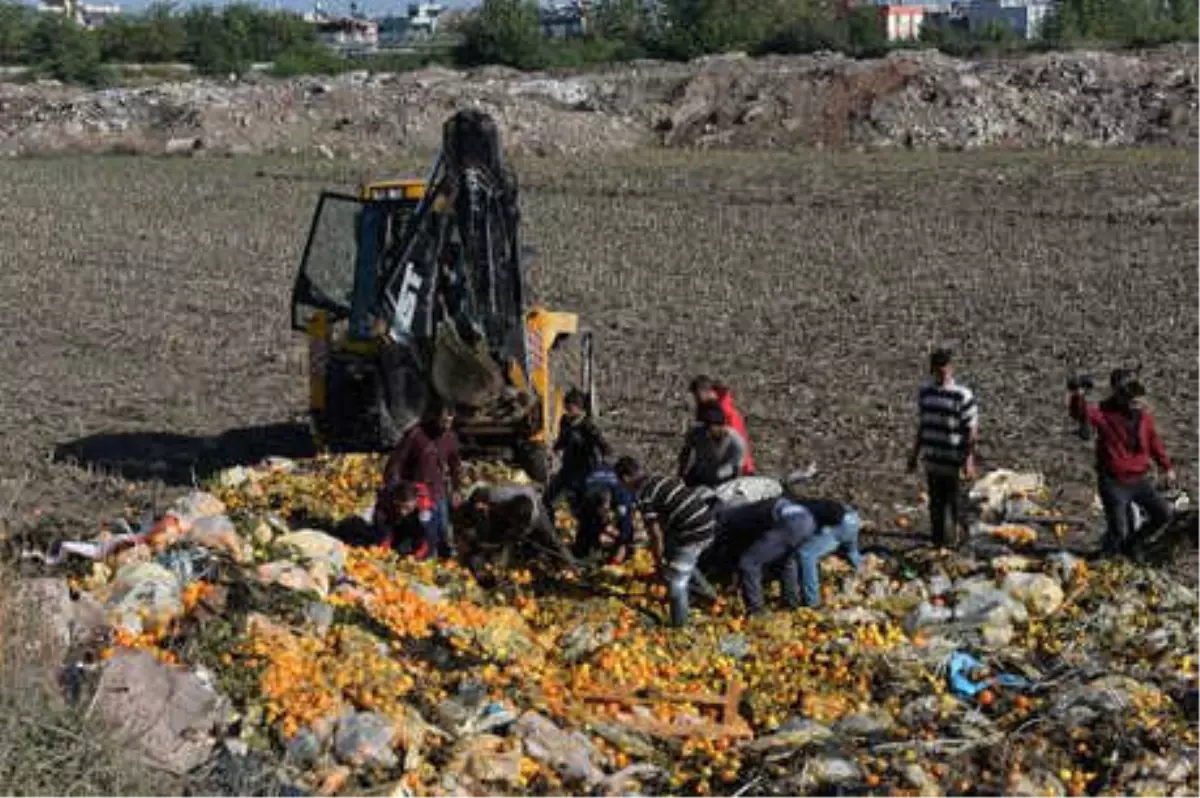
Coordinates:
(412,295)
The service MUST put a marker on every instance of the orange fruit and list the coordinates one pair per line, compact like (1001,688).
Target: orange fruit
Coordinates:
(987,698)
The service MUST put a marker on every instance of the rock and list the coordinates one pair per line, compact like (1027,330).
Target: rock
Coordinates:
(1037,784)
(489,760)
(1040,593)
(857,616)
(795,733)
(916,777)
(325,151)
(181,146)
(319,616)
(313,547)
(427,593)
(194,505)
(865,724)
(1013,562)
(584,639)
(364,739)
(735,646)
(166,714)
(217,532)
(569,754)
(631,742)
(292,576)
(924,615)
(829,771)
(41,618)
(303,750)
(979,605)
(996,634)
(505,638)
(1146,787)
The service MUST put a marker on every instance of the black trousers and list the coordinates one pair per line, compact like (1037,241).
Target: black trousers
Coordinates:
(1116,497)
(944,504)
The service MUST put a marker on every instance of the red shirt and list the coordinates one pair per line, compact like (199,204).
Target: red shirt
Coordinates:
(430,461)
(735,420)
(1122,452)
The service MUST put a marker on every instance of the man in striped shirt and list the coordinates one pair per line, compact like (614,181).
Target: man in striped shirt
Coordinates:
(946,434)
(681,524)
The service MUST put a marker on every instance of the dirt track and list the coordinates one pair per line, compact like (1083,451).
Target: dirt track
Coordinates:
(145,301)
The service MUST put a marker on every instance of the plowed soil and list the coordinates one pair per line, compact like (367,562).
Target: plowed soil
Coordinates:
(143,307)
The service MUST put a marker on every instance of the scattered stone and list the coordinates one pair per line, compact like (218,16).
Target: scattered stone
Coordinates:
(570,754)
(795,733)
(865,724)
(168,715)
(364,739)
(1039,592)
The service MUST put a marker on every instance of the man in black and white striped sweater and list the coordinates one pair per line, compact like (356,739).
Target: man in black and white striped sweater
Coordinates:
(682,525)
(947,434)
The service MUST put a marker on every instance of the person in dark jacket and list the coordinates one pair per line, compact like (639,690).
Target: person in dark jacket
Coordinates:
(779,527)
(713,452)
(1127,441)
(506,517)
(606,503)
(428,456)
(838,526)
(401,511)
(581,449)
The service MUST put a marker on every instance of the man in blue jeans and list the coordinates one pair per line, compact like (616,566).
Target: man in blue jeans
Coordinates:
(777,527)
(837,530)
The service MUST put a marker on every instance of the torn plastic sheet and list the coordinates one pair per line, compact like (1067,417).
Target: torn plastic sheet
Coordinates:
(961,666)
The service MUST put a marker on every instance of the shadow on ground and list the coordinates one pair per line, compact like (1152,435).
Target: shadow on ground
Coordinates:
(184,459)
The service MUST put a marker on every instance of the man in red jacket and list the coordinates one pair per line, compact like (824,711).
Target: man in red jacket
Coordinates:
(428,456)
(1126,442)
(705,391)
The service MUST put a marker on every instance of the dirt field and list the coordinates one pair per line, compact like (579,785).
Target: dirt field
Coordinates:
(144,306)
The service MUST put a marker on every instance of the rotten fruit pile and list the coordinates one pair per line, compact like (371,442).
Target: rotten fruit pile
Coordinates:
(355,669)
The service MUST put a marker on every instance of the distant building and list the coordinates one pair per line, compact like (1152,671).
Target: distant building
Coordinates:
(903,23)
(347,34)
(423,18)
(564,19)
(1026,19)
(86,14)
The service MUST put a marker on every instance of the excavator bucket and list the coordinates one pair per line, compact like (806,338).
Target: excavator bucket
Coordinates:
(463,373)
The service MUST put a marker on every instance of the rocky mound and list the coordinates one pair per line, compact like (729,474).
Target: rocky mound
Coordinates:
(911,99)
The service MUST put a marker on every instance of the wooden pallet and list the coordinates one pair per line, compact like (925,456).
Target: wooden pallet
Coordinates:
(731,725)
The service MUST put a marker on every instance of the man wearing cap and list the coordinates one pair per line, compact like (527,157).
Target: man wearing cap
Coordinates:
(947,432)
(713,453)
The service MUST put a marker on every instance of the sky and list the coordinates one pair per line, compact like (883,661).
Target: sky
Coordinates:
(373,8)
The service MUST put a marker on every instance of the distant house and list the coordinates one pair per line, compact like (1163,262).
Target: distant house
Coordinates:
(423,19)
(903,23)
(347,34)
(564,19)
(1026,19)
(88,15)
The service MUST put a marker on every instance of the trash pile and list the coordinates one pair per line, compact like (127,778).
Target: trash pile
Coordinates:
(353,669)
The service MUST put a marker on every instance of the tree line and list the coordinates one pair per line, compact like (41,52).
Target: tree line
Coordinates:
(228,40)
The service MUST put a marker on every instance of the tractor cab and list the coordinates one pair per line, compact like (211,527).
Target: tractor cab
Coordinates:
(335,302)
